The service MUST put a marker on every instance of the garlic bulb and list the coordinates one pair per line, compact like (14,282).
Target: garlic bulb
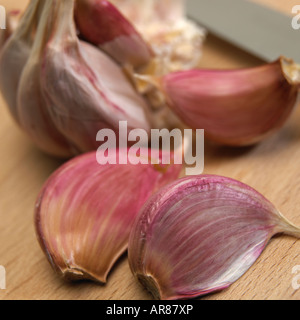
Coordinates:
(64,79)
(235,107)
(87,91)
(200,234)
(85,212)
(65,90)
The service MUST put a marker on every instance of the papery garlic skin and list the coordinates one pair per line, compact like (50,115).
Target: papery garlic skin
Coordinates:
(200,234)
(176,41)
(144,12)
(235,107)
(85,212)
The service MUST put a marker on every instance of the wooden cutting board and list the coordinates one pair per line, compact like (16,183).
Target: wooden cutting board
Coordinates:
(272,167)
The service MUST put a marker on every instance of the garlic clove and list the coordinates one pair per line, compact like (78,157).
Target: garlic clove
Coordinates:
(86,90)
(33,110)
(101,23)
(15,53)
(85,212)
(200,234)
(235,107)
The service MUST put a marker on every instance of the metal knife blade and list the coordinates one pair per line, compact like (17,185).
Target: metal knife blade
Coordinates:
(260,31)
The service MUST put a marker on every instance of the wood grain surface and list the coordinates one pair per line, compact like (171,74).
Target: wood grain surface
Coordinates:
(272,167)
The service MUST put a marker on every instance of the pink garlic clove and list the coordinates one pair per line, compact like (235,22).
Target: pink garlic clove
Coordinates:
(85,212)
(85,89)
(102,24)
(200,234)
(235,107)
(15,53)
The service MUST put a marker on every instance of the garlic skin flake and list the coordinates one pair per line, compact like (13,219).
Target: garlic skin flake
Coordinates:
(85,212)
(235,107)
(175,40)
(200,234)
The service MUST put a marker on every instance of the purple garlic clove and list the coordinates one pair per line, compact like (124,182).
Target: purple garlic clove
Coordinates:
(235,107)
(102,24)
(85,211)
(200,234)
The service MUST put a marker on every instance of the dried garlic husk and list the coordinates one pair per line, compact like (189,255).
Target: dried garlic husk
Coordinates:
(176,40)
(235,107)
(102,24)
(85,211)
(200,234)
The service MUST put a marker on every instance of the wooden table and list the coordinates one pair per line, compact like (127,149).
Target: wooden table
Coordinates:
(272,167)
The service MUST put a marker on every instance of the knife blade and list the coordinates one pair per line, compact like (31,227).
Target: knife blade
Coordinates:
(263,32)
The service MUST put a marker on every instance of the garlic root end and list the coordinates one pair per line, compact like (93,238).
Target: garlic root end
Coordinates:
(291,71)
(151,285)
(286,227)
